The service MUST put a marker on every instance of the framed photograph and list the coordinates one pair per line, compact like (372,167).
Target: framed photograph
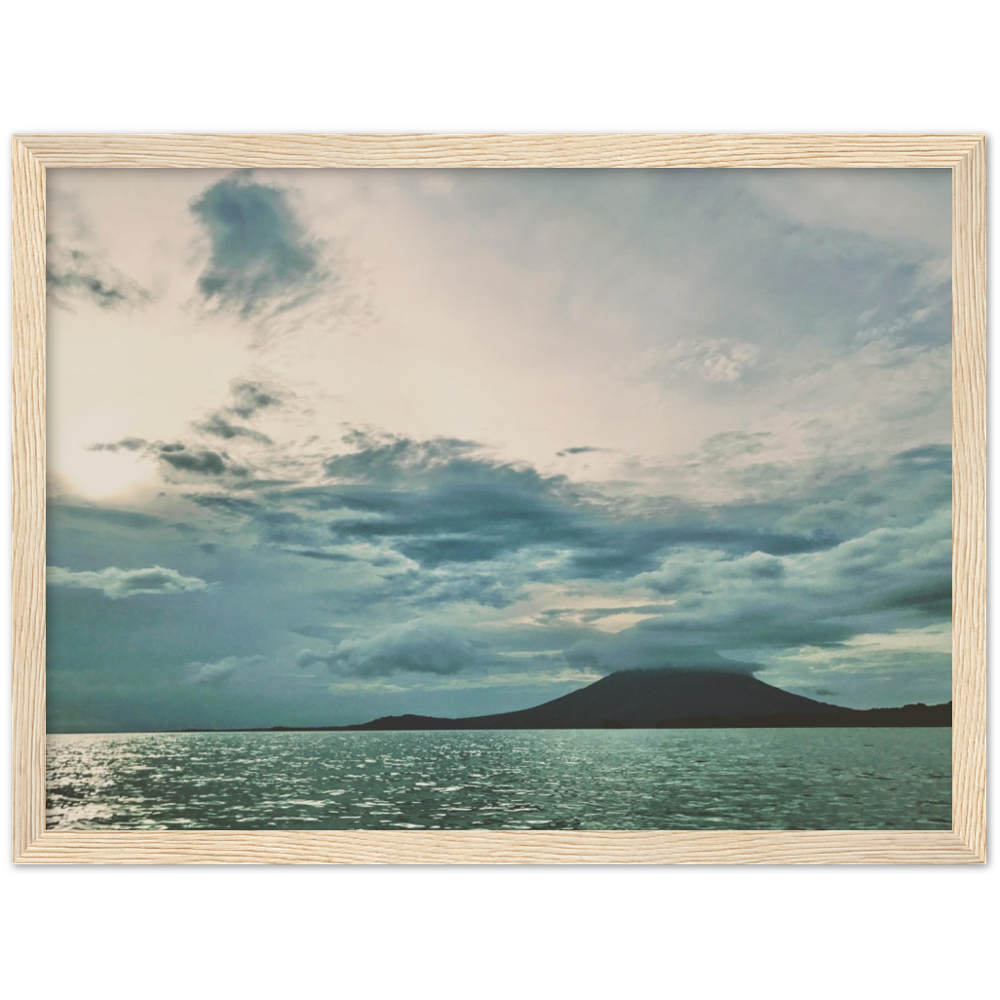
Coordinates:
(499,499)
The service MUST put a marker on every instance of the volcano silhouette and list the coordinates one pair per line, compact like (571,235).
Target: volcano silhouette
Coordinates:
(643,699)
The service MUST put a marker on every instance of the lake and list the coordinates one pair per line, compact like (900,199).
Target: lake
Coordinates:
(680,779)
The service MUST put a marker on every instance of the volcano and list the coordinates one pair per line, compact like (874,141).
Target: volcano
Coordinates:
(643,699)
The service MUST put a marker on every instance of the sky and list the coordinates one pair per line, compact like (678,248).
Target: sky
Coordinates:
(325,445)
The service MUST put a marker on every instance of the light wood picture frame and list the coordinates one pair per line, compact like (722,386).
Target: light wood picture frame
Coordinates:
(965,155)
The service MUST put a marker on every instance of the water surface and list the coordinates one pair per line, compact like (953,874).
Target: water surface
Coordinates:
(681,779)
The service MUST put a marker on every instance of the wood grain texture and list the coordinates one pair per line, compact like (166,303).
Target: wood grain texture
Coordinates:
(499,150)
(500,847)
(966,843)
(28,487)
(969,499)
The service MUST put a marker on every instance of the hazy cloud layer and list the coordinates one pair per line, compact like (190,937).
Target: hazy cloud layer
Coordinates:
(576,421)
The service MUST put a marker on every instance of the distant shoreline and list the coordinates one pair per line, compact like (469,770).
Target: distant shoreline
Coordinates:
(908,717)
(694,724)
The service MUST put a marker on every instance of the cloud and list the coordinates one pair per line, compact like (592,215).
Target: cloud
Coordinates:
(81,274)
(445,503)
(495,590)
(178,456)
(380,457)
(905,204)
(216,425)
(261,255)
(437,503)
(323,555)
(200,461)
(125,444)
(713,360)
(240,506)
(248,398)
(584,450)
(413,647)
(638,650)
(731,446)
(110,515)
(441,527)
(118,583)
(884,580)
(219,672)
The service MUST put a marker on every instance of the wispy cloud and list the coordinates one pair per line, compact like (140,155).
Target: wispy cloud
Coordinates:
(216,425)
(248,398)
(118,583)
(579,450)
(712,360)
(78,273)
(220,671)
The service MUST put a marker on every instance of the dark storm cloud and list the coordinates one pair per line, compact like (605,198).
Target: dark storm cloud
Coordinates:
(464,512)
(202,462)
(444,505)
(459,506)
(441,523)
(118,583)
(884,580)
(692,632)
(178,456)
(216,425)
(636,649)
(413,647)
(74,273)
(261,255)
(932,598)
(438,502)
(905,572)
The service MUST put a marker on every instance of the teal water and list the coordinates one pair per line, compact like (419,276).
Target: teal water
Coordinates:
(775,779)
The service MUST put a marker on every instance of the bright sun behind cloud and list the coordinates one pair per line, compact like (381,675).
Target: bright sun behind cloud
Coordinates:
(98,475)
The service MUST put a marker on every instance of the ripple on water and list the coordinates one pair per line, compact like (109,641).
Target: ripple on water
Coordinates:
(621,779)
